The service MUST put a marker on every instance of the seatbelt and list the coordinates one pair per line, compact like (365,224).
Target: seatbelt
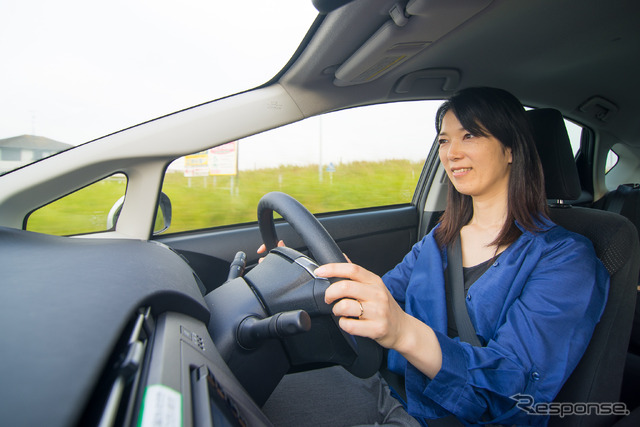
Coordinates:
(455,280)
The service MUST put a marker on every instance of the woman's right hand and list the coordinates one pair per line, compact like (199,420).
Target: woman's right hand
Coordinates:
(263,249)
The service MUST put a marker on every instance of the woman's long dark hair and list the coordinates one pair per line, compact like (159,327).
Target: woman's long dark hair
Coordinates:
(488,111)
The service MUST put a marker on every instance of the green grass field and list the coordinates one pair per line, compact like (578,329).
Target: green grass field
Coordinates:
(203,202)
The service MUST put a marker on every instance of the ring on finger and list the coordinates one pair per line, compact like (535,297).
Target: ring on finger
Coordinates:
(361,309)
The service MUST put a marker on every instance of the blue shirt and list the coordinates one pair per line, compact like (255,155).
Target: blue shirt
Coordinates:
(534,311)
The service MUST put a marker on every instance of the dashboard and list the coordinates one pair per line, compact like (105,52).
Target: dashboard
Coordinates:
(109,332)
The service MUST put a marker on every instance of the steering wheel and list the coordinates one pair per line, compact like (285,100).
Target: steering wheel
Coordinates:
(315,236)
(325,250)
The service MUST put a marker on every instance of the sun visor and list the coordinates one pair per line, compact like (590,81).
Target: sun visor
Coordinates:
(408,31)
(447,9)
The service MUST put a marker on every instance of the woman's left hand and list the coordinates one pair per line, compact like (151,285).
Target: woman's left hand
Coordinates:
(364,305)
(367,309)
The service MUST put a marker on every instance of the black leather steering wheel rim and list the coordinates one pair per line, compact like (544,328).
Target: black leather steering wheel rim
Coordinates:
(316,237)
(325,250)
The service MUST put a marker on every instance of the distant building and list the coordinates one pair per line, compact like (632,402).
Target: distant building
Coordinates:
(21,150)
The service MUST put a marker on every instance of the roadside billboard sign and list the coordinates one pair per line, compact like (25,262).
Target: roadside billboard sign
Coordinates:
(196,164)
(223,159)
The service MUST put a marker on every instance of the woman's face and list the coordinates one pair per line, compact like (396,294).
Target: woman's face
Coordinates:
(477,166)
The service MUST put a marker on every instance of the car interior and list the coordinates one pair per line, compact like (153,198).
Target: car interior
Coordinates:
(113,326)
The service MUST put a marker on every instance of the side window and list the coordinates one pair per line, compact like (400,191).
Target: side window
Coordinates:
(358,158)
(575,135)
(612,160)
(84,211)
(621,166)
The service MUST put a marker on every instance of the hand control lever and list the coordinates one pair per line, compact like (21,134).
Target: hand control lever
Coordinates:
(237,266)
(252,331)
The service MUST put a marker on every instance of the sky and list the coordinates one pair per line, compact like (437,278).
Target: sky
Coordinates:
(372,133)
(77,70)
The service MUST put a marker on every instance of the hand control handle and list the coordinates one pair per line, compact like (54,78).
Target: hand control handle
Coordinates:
(252,331)
(237,266)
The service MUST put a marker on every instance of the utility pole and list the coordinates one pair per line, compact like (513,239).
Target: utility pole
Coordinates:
(320,149)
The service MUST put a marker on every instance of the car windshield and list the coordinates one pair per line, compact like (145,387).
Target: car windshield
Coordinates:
(74,71)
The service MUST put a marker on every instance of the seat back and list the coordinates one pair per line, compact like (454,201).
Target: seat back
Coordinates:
(625,200)
(598,376)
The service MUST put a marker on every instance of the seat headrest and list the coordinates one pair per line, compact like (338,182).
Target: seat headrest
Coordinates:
(554,148)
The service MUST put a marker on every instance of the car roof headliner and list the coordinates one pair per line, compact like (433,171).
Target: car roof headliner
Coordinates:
(548,53)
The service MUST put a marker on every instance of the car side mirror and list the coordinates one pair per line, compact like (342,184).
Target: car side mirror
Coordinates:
(163,214)
(114,213)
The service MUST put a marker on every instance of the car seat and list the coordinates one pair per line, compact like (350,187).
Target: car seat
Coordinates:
(598,376)
(625,200)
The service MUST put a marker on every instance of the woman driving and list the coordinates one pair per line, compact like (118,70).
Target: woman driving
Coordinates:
(533,291)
